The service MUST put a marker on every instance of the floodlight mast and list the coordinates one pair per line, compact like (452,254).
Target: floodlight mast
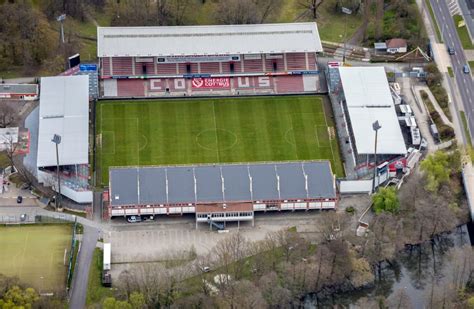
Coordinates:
(376,127)
(61,19)
(57,140)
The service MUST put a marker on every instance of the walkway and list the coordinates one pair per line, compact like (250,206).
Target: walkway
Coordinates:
(433,100)
(84,259)
(468,179)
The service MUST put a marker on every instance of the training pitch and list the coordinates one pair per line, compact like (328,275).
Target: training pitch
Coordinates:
(217,130)
(35,254)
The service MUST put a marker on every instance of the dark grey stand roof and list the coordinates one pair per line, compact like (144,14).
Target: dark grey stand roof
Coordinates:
(223,183)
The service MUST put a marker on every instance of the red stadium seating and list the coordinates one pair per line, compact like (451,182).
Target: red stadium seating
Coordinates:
(122,66)
(289,84)
(312,62)
(253,66)
(296,61)
(149,68)
(105,67)
(166,69)
(239,86)
(211,67)
(280,65)
(131,87)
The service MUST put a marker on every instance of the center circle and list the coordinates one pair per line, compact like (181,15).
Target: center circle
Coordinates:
(216,139)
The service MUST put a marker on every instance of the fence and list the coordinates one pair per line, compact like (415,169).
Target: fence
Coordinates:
(71,257)
(34,218)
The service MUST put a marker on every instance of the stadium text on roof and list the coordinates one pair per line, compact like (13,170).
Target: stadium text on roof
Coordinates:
(209,60)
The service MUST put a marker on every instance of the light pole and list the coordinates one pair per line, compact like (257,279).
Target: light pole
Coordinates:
(57,140)
(345,11)
(375,126)
(61,19)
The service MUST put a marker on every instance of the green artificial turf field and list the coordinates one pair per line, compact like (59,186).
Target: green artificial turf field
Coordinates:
(35,254)
(217,130)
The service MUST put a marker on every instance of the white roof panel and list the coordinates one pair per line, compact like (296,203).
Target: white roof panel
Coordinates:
(368,100)
(64,110)
(208,40)
(390,139)
(365,86)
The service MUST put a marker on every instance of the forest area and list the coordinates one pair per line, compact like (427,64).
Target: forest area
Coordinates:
(30,33)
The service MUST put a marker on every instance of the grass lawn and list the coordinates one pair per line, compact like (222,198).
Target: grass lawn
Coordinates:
(450,72)
(95,291)
(433,18)
(466,130)
(218,130)
(463,34)
(35,254)
(471,64)
(332,25)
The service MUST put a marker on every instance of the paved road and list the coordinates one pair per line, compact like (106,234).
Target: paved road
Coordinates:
(451,39)
(81,275)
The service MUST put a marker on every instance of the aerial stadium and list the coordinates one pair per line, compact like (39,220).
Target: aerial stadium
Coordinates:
(219,121)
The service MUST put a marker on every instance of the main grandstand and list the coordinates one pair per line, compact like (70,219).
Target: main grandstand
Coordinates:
(209,60)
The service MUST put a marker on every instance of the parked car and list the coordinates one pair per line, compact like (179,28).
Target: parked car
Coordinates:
(466,69)
(19,199)
(451,50)
(134,219)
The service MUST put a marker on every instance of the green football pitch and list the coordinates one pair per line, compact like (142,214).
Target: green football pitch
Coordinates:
(217,130)
(35,254)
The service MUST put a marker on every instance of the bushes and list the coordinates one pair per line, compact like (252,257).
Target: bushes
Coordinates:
(434,81)
(445,132)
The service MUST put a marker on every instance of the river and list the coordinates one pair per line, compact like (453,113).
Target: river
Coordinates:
(419,274)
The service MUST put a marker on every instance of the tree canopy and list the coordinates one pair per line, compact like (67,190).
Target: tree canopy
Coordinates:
(437,171)
(386,199)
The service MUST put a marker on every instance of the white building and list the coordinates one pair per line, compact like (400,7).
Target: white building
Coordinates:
(366,98)
(64,110)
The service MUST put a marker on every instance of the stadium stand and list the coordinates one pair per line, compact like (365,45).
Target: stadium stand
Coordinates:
(194,60)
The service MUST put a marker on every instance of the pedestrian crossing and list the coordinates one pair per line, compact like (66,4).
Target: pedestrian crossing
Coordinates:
(453,7)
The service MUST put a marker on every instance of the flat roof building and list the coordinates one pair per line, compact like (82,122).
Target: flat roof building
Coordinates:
(64,111)
(221,188)
(208,40)
(367,98)
(19,91)
(203,60)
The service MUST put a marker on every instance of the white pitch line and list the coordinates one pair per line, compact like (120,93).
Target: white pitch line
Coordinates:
(215,129)
(316,133)
(330,142)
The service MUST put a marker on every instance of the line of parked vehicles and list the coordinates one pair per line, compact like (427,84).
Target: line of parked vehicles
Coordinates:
(136,219)
(466,69)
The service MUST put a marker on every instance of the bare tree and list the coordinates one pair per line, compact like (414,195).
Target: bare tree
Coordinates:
(237,12)
(7,115)
(379,19)
(275,295)
(267,8)
(311,6)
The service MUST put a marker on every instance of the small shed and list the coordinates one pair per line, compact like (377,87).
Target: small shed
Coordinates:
(396,46)
(380,46)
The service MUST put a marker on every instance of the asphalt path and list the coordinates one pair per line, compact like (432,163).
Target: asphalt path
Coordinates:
(81,275)
(458,60)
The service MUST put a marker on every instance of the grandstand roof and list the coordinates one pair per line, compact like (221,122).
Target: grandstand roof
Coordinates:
(208,40)
(220,183)
(368,99)
(64,110)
